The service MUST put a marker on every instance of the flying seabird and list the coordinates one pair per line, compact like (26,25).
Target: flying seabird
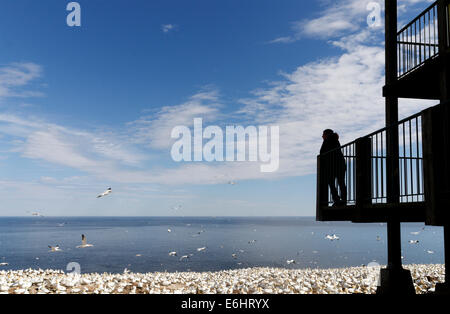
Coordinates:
(108,191)
(332,237)
(54,248)
(200,249)
(173,253)
(84,242)
(413,241)
(291,261)
(177,208)
(35,214)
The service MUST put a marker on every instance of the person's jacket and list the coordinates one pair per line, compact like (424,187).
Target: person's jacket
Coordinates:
(331,155)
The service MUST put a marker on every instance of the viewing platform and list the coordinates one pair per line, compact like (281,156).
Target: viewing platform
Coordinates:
(366,178)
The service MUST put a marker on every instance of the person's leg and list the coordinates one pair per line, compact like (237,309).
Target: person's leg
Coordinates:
(333,190)
(342,187)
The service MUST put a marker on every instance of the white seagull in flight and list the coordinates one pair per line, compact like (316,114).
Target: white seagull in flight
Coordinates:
(107,192)
(332,237)
(84,243)
(54,248)
(185,257)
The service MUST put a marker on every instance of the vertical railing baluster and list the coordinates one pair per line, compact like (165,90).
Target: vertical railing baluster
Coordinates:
(419,190)
(410,159)
(405,162)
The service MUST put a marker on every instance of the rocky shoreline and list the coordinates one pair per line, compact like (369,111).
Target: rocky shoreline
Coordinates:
(241,281)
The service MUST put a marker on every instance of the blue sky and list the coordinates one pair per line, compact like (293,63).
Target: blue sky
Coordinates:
(84,108)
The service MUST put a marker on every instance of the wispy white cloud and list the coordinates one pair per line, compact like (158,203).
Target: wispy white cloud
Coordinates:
(340,18)
(166,28)
(154,130)
(87,151)
(18,75)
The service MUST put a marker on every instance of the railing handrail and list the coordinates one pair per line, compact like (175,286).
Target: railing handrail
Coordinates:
(416,44)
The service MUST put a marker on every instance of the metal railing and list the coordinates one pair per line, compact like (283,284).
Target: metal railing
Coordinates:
(418,41)
(410,161)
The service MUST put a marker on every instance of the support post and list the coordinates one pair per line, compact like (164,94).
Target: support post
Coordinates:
(394,279)
(444,43)
(363,175)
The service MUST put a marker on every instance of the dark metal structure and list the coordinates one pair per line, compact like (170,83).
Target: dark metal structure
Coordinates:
(401,173)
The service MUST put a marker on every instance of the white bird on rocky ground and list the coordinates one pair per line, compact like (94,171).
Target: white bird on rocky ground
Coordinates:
(200,249)
(108,191)
(332,237)
(413,241)
(54,248)
(291,261)
(173,253)
(84,242)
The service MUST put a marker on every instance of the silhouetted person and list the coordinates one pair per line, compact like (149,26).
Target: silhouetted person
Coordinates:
(333,166)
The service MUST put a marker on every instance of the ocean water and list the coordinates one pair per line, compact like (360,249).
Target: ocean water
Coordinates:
(117,242)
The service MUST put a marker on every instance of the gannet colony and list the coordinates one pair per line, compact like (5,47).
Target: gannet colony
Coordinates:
(241,281)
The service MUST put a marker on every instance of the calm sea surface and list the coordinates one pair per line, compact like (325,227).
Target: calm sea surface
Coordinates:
(142,244)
